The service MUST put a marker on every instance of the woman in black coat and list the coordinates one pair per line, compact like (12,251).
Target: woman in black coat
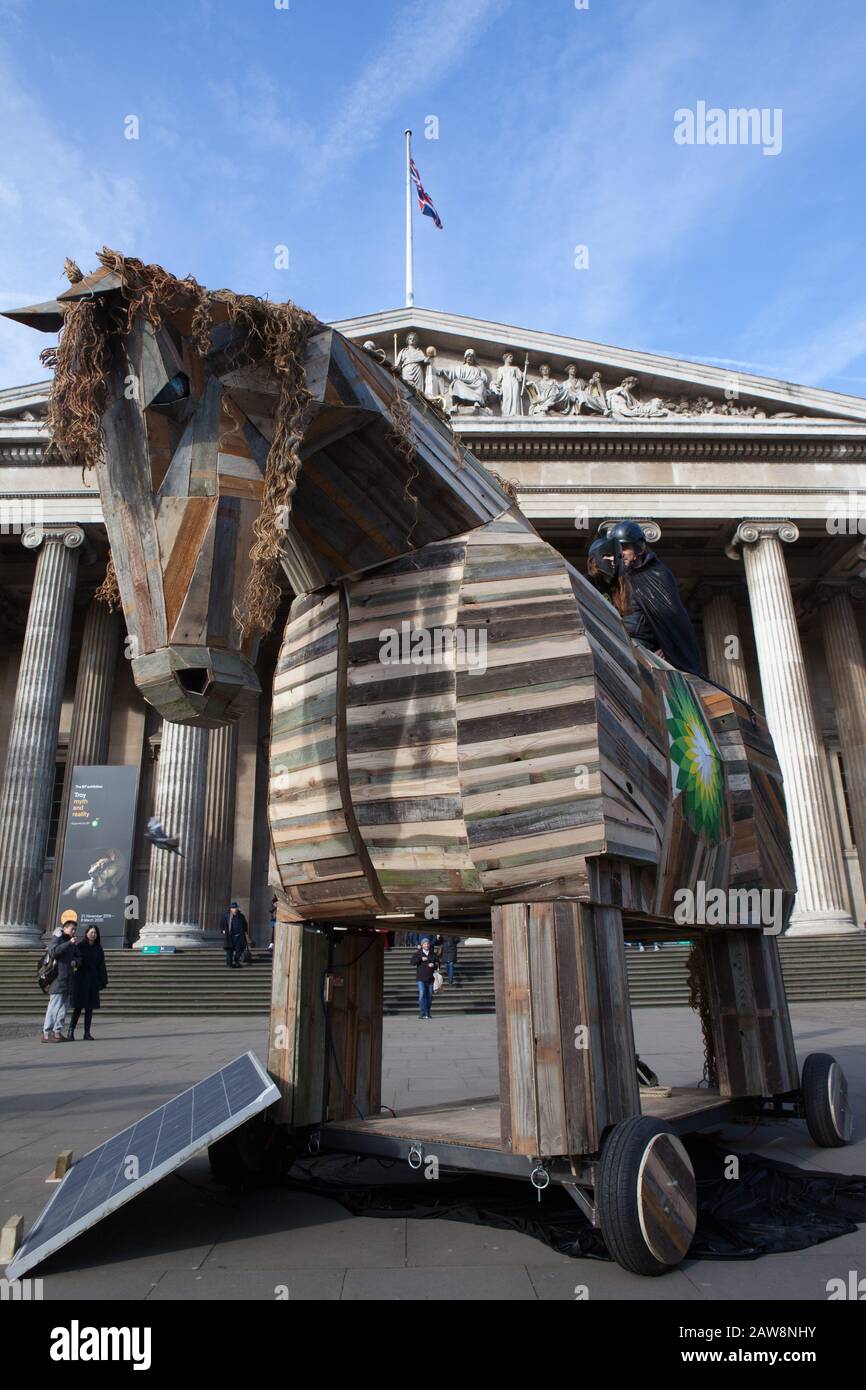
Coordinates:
(87,980)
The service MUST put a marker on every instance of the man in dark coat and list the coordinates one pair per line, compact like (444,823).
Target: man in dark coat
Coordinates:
(656,615)
(447,947)
(235,933)
(64,952)
(88,979)
(425,961)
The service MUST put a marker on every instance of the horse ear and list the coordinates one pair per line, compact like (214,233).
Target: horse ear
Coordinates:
(48,316)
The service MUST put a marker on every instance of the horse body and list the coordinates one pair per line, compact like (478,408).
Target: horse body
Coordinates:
(407,775)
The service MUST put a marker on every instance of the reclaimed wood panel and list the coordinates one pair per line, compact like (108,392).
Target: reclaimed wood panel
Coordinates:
(296,1035)
(566,1046)
(754,1045)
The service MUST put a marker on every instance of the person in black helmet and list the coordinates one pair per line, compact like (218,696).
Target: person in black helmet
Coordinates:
(645,593)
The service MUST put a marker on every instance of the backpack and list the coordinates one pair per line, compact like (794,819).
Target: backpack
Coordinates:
(46,972)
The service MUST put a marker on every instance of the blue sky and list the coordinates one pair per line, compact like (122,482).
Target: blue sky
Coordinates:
(262,126)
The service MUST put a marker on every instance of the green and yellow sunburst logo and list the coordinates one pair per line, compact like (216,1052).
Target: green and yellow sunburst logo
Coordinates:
(696,764)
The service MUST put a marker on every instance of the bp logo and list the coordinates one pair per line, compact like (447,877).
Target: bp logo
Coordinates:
(696,764)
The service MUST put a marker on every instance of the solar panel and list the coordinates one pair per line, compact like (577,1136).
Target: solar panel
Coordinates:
(140,1155)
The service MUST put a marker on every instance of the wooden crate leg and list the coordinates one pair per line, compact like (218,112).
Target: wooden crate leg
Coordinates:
(563,1018)
(749,1017)
(355,1013)
(296,1040)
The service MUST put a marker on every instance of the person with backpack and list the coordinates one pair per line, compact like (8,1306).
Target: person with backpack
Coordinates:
(57,971)
(90,977)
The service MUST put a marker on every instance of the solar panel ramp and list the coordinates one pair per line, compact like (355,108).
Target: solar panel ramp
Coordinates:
(144,1152)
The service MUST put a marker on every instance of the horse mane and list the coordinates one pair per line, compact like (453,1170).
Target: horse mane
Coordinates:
(275,334)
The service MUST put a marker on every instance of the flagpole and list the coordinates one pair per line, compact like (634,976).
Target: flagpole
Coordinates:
(410,270)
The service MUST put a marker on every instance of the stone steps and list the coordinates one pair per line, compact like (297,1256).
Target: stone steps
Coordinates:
(198,983)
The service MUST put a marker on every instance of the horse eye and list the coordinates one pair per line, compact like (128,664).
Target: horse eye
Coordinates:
(174,390)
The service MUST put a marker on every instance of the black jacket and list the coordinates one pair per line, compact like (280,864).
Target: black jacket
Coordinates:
(448,948)
(90,977)
(65,952)
(424,966)
(237,928)
(655,594)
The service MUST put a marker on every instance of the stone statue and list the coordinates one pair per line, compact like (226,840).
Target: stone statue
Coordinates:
(508,385)
(582,395)
(411,362)
(623,404)
(469,384)
(547,394)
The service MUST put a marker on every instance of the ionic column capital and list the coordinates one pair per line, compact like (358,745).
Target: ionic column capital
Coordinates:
(826,589)
(752,532)
(71,536)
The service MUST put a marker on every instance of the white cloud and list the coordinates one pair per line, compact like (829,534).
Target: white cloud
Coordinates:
(56,203)
(426,42)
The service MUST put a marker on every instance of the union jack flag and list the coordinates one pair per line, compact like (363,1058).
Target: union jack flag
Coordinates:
(425,202)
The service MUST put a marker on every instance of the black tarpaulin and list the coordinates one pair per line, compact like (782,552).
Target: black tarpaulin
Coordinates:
(769,1208)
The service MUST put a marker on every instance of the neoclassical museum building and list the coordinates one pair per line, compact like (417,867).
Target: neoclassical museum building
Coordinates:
(752,490)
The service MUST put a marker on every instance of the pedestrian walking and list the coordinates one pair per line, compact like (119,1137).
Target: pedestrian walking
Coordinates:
(273,920)
(448,955)
(426,963)
(88,978)
(235,933)
(63,953)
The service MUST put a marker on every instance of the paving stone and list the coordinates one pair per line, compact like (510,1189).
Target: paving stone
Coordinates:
(475,1283)
(248,1285)
(594,1281)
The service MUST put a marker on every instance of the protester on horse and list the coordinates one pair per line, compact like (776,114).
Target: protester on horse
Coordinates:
(644,592)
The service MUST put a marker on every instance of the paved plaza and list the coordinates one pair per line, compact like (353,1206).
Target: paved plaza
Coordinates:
(189,1239)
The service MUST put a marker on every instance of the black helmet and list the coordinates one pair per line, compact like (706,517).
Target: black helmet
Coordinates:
(598,551)
(627,533)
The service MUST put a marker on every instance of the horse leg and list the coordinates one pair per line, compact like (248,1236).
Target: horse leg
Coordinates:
(748,1013)
(563,1018)
(325,1037)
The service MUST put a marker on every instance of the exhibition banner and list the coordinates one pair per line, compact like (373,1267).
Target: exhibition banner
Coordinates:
(97,849)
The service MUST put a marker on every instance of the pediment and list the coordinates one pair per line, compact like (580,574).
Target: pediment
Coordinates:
(660,390)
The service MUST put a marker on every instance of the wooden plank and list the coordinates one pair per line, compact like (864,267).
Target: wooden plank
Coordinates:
(752,1036)
(514,1018)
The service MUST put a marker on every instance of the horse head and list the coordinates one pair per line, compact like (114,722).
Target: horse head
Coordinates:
(230,436)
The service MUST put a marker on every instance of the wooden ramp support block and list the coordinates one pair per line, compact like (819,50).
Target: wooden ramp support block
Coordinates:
(563,1018)
(61,1167)
(10,1238)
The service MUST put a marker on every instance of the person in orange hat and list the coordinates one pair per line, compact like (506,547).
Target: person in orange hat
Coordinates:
(63,952)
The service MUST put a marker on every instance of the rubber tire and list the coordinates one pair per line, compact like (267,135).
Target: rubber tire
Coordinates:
(616,1195)
(814,1088)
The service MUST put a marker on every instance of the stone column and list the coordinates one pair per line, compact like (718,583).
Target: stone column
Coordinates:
(219,829)
(722,640)
(847,671)
(174,885)
(821,906)
(91,715)
(28,781)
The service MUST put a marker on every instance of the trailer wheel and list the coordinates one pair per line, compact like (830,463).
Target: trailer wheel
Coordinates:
(825,1101)
(645,1196)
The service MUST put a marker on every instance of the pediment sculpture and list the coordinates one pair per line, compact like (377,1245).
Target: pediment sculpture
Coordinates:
(468,388)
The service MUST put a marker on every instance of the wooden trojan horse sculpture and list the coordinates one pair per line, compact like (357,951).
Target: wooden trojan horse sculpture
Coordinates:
(543,773)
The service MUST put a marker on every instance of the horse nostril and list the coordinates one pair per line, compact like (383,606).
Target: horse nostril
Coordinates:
(195,679)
